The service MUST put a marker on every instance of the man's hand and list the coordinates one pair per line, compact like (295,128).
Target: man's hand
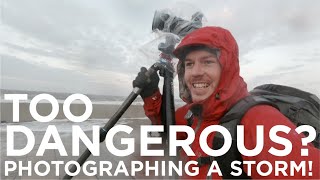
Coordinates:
(148,84)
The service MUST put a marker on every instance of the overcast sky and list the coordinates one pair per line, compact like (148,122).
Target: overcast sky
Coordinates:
(95,46)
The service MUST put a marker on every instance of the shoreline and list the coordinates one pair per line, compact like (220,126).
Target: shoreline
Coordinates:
(54,155)
(99,111)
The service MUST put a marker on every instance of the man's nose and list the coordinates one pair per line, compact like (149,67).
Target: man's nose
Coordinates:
(197,69)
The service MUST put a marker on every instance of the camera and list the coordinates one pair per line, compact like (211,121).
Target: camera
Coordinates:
(165,21)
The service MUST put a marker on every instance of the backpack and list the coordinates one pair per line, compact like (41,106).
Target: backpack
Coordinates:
(301,107)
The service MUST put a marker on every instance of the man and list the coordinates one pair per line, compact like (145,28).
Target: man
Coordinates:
(210,84)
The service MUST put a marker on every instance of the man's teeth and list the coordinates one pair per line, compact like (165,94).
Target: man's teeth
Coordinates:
(200,85)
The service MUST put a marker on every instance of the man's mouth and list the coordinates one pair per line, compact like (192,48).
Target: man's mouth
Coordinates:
(200,85)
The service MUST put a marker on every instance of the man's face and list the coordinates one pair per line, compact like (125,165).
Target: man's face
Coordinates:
(202,74)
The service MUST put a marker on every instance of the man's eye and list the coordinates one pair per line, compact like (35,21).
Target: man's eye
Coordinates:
(208,62)
(188,64)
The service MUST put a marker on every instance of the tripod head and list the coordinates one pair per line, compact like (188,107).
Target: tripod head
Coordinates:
(165,21)
(174,28)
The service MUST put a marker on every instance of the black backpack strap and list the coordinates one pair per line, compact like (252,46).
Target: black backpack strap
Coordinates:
(286,90)
(238,110)
(230,121)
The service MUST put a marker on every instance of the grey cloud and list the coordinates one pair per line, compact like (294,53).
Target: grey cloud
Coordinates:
(289,78)
(315,58)
(49,20)
(18,74)
(97,35)
(40,75)
(288,68)
(106,35)
(264,23)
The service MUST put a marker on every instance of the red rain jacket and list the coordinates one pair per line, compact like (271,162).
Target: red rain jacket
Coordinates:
(231,89)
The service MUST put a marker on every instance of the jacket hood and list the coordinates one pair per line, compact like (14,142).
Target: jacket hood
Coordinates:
(231,87)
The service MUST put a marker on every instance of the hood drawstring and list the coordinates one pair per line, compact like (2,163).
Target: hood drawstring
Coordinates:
(217,96)
(189,118)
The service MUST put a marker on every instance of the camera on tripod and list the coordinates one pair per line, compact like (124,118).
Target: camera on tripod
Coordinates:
(165,21)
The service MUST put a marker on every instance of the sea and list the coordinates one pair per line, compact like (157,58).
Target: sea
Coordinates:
(95,98)
(110,99)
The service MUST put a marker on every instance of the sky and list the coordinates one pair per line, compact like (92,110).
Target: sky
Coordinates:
(98,46)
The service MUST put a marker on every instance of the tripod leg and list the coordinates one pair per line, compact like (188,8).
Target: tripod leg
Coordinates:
(104,130)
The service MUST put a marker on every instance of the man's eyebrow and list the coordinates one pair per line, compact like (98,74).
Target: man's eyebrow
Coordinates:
(204,57)
(209,56)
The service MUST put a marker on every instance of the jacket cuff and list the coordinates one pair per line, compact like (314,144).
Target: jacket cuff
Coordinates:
(151,100)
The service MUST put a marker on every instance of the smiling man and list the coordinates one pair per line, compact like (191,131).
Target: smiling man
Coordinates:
(210,84)
(202,71)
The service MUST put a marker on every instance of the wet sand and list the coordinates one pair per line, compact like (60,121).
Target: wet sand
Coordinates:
(64,127)
(133,117)
(99,111)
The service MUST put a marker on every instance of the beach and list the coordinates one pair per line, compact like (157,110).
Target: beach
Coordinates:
(134,118)
(65,133)
(99,111)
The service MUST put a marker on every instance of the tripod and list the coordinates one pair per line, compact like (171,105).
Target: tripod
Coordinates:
(177,27)
(166,70)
